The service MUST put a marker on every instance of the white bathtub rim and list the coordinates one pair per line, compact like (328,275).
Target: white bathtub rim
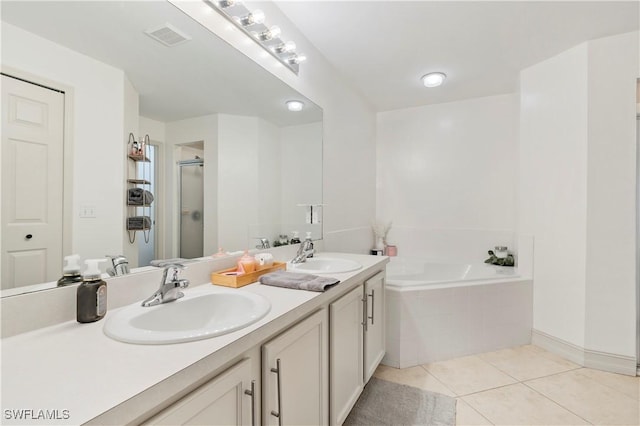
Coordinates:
(453,283)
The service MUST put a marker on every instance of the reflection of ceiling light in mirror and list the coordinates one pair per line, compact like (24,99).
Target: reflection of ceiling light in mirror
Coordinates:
(295,105)
(433,79)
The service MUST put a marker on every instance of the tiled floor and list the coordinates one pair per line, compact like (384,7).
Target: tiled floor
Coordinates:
(526,385)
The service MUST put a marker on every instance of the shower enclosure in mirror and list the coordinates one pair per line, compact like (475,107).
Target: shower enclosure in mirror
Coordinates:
(261,160)
(191,196)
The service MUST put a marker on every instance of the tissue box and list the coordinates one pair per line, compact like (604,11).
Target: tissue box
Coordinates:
(222,278)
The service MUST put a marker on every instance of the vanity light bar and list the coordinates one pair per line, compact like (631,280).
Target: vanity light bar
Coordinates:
(253,25)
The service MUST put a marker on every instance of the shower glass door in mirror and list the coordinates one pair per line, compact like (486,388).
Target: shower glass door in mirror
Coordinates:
(191,196)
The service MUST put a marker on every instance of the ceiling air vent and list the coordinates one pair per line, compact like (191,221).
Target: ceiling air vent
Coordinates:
(168,35)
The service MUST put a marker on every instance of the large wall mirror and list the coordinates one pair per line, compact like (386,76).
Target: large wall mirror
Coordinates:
(229,164)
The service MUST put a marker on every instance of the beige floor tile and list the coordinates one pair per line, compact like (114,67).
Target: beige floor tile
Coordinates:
(468,375)
(519,405)
(413,376)
(588,398)
(528,362)
(465,415)
(628,385)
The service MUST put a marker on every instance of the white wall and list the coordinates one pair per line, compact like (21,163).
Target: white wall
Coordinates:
(131,118)
(577,193)
(446,177)
(268,184)
(301,180)
(611,195)
(98,113)
(195,129)
(348,124)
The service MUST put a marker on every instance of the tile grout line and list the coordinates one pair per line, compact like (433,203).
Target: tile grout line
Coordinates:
(556,402)
(473,408)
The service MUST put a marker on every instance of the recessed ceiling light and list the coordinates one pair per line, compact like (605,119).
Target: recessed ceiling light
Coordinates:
(433,79)
(295,105)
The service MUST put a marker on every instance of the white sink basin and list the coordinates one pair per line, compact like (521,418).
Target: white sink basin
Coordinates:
(194,317)
(325,265)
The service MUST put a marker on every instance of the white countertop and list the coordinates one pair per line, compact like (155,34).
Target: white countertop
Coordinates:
(75,367)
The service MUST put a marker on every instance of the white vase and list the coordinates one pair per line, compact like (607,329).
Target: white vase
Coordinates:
(379,243)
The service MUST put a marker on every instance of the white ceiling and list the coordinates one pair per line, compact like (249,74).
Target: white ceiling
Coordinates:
(199,77)
(384,47)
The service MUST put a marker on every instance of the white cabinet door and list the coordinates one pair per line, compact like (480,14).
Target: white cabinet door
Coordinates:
(225,400)
(374,339)
(295,374)
(345,353)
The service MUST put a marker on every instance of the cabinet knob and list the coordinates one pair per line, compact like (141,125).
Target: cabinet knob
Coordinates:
(28,237)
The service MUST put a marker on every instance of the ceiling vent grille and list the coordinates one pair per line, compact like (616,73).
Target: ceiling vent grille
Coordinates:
(168,35)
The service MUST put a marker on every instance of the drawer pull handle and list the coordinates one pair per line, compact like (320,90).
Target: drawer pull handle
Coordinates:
(278,413)
(252,394)
(373,304)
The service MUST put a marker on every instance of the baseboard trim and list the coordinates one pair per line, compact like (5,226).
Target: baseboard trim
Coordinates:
(593,359)
(610,362)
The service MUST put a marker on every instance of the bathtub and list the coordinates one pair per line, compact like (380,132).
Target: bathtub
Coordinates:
(410,273)
(442,310)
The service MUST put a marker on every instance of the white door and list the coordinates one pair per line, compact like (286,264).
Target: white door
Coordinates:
(222,401)
(345,353)
(32,181)
(374,336)
(295,374)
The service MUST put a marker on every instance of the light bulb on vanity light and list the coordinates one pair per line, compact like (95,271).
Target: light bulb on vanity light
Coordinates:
(433,79)
(252,18)
(223,4)
(289,46)
(295,106)
(297,58)
(269,34)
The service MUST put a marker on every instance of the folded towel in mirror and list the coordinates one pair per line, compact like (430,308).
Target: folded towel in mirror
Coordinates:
(138,223)
(298,281)
(139,197)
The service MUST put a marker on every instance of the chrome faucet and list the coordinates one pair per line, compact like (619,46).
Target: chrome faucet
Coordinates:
(264,243)
(169,288)
(304,251)
(119,265)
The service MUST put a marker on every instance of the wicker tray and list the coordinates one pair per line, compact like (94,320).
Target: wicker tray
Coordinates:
(235,281)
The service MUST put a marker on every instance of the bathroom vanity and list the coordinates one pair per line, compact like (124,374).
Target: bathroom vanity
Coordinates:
(306,361)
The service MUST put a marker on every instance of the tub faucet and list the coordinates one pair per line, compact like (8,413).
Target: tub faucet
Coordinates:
(119,265)
(304,251)
(169,288)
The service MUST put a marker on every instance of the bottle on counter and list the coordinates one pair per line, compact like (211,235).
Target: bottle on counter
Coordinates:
(247,263)
(70,271)
(295,239)
(92,294)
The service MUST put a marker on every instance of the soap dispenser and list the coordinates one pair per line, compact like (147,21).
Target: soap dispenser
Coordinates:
(295,239)
(92,294)
(70,271)
(310,244)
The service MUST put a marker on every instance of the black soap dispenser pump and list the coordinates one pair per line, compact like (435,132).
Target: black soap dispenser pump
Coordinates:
(92,294)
